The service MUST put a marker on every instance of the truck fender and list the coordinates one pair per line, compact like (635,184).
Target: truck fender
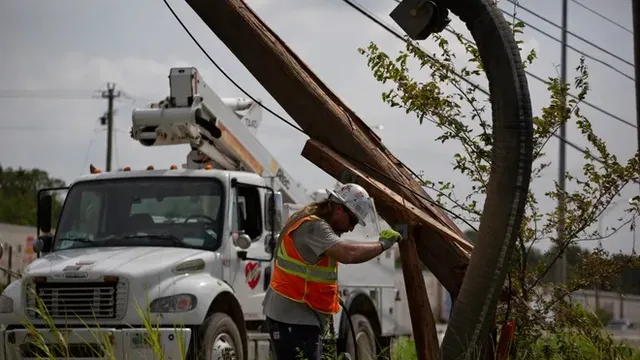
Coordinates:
(207,289)
(357,302)
(214,295)
(14,292)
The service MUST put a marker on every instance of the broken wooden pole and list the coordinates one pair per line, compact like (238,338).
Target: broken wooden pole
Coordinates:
(323,116)
(311,104)
(394,209)
(425,335)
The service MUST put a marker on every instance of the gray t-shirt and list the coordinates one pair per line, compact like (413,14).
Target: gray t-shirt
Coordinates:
(311,239)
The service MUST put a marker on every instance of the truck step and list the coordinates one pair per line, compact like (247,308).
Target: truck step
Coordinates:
(258,346)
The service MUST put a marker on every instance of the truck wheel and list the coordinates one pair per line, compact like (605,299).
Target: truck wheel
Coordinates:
(365,336)
(221,340)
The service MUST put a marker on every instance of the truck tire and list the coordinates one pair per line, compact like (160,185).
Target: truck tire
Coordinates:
(365,336)
(221,339)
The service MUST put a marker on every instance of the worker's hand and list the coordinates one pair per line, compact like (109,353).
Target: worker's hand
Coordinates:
(388,237)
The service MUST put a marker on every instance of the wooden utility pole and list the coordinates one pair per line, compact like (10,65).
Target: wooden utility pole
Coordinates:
(107,119)
(325,118)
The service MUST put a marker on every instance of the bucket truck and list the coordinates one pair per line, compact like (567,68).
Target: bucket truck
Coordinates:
(188,249)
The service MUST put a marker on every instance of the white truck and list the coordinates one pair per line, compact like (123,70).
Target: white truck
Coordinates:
(188,249)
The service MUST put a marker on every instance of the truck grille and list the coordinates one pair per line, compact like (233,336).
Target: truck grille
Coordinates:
(85,300)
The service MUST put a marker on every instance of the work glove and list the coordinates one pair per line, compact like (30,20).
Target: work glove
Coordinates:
(388,237)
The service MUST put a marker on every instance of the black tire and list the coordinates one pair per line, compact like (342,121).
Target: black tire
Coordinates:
(219,332)
(365,336)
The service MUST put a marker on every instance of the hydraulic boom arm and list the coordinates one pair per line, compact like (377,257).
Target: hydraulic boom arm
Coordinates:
(194,114)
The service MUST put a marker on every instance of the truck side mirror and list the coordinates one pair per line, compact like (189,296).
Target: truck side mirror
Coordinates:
(243,241)
(44,213)
(273,211)
(43,244)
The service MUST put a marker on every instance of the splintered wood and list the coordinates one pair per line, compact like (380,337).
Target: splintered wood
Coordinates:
(391,203)
(394,209)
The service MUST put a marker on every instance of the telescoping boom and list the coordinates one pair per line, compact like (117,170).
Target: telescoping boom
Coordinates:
(221,132)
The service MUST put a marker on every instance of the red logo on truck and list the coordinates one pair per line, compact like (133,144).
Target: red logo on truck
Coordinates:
(252,274)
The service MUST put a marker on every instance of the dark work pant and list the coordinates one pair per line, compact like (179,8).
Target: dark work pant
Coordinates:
(292,342)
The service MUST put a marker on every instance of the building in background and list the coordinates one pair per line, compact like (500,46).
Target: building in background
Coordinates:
(18,248)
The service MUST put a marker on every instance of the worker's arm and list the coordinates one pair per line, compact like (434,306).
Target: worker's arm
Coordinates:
(348,252)
(356,252)
(321,239)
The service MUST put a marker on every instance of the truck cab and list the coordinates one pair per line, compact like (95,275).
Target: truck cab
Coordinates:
(165,246)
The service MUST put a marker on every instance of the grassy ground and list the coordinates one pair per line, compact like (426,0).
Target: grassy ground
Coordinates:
(567,345)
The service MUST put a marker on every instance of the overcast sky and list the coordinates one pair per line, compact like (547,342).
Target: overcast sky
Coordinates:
(66,50)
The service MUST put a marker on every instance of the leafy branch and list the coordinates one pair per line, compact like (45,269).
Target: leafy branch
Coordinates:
(460,112)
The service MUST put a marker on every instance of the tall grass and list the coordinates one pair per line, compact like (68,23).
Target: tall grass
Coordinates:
(54,343)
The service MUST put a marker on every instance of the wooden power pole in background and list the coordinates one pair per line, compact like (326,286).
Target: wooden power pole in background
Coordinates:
(107,119)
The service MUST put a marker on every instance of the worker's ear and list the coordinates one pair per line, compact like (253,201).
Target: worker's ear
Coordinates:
(340,210)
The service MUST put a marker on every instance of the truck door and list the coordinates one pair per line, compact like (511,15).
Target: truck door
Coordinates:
(248,277)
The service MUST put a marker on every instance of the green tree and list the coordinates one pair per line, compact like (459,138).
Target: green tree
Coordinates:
(462,113)
(18,191)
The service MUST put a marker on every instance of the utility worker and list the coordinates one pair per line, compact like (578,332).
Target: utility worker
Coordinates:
(303,292)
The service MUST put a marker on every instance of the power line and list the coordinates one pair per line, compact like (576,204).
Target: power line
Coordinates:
(37,128)
(602,16)
(295,127)
(381,173)
(30,128)
(65,95)
(594,107)
(568,32)
(602,62)
(393,32)
(50,96)
(484,91)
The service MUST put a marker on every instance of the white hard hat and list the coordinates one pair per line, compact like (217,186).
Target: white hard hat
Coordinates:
(355,198)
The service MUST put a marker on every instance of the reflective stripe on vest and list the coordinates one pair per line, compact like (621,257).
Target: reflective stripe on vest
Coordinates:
(308,272)
(316,285)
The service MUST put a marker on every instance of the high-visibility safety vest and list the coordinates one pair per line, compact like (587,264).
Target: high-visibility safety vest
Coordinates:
(313,284)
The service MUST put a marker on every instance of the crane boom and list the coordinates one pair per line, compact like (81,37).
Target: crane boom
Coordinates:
(217,130)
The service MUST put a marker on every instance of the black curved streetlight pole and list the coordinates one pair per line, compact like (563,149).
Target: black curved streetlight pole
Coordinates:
(473,316)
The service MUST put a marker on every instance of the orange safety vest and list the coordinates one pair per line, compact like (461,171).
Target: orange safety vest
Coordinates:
(294,278)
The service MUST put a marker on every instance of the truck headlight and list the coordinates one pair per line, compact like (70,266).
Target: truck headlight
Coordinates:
(6,304)
(175,303)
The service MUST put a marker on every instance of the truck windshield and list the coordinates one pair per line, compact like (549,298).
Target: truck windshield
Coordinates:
(163,211)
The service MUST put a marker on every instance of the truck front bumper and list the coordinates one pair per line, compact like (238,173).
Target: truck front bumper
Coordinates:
(85,343)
